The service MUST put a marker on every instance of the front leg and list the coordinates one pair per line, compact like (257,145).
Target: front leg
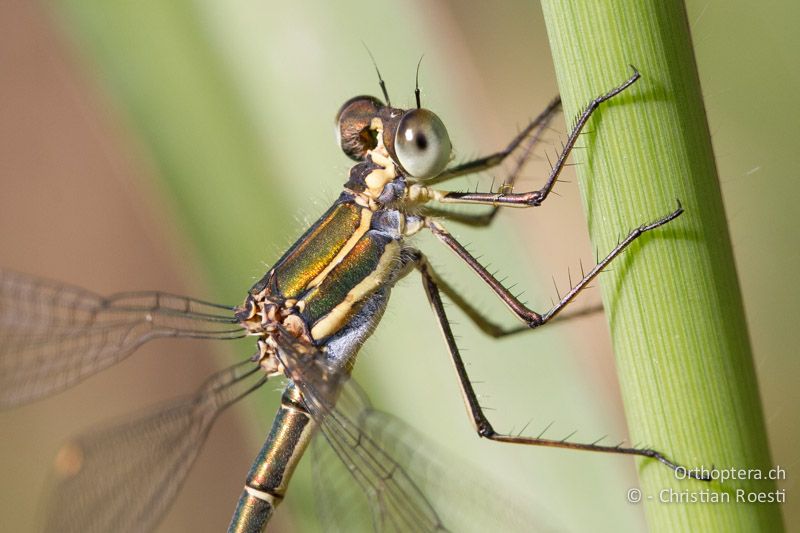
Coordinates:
(505,197)
(537,125)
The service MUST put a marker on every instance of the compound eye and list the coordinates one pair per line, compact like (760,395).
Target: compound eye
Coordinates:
(353,126)
(421,144)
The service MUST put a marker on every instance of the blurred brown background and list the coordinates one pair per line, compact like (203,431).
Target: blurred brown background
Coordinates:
(100,189)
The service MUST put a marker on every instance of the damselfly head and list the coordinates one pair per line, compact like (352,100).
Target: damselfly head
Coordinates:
(416,139)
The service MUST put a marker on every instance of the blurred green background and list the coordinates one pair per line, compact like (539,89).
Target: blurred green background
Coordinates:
(182,146)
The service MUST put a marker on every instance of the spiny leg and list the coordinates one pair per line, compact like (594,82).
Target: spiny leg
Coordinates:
(485,324)
(480,220)
(479,420)
(485,163)
(530,317)
(535,198)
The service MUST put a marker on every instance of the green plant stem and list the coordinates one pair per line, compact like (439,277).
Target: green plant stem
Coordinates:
(673,301)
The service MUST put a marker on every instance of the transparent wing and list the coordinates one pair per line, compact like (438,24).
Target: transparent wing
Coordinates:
(342,506)
(385,496)
(339,407)
(124,477)
(54,335)
(466,498)
(403,481)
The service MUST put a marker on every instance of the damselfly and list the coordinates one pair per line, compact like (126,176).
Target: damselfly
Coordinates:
(309,315)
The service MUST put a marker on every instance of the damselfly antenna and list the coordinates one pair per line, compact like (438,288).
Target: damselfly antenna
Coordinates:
(380,78)
(416,83)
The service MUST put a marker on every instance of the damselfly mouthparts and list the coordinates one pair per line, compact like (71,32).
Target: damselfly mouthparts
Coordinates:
(309,314)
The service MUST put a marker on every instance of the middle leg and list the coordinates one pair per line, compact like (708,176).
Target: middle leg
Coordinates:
(531,318)
(485,324)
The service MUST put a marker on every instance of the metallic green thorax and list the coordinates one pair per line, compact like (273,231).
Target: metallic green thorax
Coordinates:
(316,249)
(330,272)
(362,260)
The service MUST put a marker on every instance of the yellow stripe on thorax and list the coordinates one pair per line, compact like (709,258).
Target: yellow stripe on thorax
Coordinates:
(363,227)
(340,314)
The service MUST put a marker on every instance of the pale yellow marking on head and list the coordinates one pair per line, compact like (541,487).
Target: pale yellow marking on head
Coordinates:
(380,177)
(339,315)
